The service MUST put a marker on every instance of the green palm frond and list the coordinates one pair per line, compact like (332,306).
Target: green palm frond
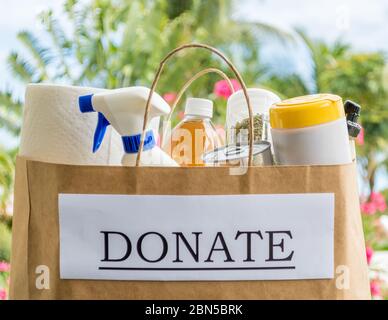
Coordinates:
(268,30)
(61,44)
(41,55)
(22,68)
(176,7)
(56,31)
(318,56)
(211,14)
(287,86)
(6,100)
(7,168)
(10,113)
(339,49)
(10,124)
(323,55)
(69,7)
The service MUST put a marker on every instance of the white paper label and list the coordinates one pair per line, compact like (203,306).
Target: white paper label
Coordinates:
(217,237)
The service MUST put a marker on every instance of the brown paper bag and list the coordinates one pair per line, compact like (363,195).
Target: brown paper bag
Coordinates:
(37,232)
(36,228)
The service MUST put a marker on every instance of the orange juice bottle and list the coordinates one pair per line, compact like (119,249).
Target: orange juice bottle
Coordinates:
(194,135)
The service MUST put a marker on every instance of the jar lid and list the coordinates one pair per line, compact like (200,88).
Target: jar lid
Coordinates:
(261,100)
(199,107)
(306,111)
(235,152)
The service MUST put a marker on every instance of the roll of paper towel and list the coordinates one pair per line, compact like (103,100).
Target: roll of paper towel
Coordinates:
(54,130)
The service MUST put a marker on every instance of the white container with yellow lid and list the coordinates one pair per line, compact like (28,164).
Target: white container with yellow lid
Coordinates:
(310,130)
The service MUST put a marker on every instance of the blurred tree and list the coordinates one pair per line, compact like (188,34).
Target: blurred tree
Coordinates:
(10,115)
(6,182)
(5,246)
(360,77)
(120,43)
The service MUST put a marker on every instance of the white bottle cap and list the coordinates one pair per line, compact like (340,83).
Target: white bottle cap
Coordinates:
(261,100)
(199,107)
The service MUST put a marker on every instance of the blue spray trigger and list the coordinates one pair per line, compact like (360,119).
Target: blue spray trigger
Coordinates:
(86,105)
(99,134)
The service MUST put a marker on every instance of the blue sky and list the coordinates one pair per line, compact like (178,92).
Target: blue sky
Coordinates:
(364,24)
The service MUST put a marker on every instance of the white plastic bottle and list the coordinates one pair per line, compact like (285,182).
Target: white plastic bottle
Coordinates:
(237,113)
(310,130)
(194,135)
(124,110)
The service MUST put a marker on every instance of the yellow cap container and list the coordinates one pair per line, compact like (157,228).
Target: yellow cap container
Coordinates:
(306,111)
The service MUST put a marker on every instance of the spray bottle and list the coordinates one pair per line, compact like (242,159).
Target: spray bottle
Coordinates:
(124,110)
(352,111)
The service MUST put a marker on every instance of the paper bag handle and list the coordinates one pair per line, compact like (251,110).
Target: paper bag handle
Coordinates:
(233,69)
(187,85)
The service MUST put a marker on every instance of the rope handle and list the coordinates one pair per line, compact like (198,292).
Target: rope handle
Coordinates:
(156,79)
(187,85)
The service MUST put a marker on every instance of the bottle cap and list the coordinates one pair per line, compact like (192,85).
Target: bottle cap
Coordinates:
(199,107)
(260,99)
(85,103)
(352,110)
(306,111)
